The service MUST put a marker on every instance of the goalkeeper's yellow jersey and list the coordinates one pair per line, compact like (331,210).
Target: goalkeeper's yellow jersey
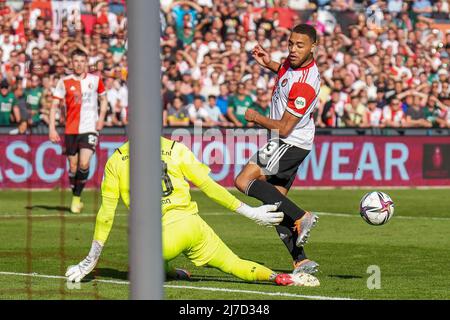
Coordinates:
(179,164)
(116,178)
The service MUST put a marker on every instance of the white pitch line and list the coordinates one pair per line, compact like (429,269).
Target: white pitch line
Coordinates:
(264,293)
(346,215)
(87,215)
(47,276)
(56,215)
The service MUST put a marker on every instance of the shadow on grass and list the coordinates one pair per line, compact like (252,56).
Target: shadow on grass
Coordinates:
(111,273)
(282,270)
(231,279)
(51,208)
(339,276)
(344,276)
(123,275)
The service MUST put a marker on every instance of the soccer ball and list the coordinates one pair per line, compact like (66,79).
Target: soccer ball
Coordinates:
(376,208)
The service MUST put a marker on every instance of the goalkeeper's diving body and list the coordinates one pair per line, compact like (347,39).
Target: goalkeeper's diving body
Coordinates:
(183,230)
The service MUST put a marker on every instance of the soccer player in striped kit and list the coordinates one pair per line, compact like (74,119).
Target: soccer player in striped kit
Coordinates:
(80,92)
(270,173)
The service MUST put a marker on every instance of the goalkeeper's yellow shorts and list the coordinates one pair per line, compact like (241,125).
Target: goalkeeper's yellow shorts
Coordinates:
(192,236)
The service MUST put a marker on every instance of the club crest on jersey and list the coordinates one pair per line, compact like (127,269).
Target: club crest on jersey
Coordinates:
(300,103)
(284,82)
(90,86)
(72,88)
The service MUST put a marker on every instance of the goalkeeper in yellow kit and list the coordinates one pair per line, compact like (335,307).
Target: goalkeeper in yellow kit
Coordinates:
(183,230)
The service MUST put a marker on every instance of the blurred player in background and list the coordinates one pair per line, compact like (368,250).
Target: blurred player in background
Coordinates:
(80,91)
(271,171)
(183,230)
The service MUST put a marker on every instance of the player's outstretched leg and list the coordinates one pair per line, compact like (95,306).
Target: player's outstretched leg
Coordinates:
(300,261)
(228,262)
(296,218)
(303,227)
(306,266)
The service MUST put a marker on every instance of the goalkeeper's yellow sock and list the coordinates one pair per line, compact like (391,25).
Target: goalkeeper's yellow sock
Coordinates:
(228,262)
(251,271)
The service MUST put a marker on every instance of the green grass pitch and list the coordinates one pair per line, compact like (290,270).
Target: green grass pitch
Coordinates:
(411,250)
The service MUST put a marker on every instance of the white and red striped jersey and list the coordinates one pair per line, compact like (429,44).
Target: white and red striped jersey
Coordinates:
(296,91)
(395,116)
(374,117)
(81,98)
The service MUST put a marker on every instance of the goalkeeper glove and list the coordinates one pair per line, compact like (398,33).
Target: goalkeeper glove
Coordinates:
(77,272)
(264,215)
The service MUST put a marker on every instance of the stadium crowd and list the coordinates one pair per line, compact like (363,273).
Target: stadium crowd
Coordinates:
(385,65)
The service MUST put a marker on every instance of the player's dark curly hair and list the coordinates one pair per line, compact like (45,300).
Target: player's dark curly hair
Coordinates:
(307,29)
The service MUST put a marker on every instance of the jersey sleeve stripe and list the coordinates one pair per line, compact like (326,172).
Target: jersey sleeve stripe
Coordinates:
(298,115)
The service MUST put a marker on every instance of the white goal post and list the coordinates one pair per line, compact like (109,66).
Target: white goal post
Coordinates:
(145,254)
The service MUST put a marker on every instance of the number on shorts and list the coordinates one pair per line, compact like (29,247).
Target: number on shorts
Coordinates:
(92,139)
(167,186)
(268,149)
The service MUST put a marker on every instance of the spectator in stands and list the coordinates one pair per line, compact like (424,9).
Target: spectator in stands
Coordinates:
(354,112)
(6,45)
(332,113)
(262,103)
(432,112)
(211,85)
(33,97)
(422,7)
(393,115)
(446,111)
(198,115)
(46,103)
(223,98)
(25,112)
(415,116)
(238,105)
(112,95)
(9,111)
(342,5)
(123,97)
(373,117)
(395,6)
(177,113)
(214,113)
